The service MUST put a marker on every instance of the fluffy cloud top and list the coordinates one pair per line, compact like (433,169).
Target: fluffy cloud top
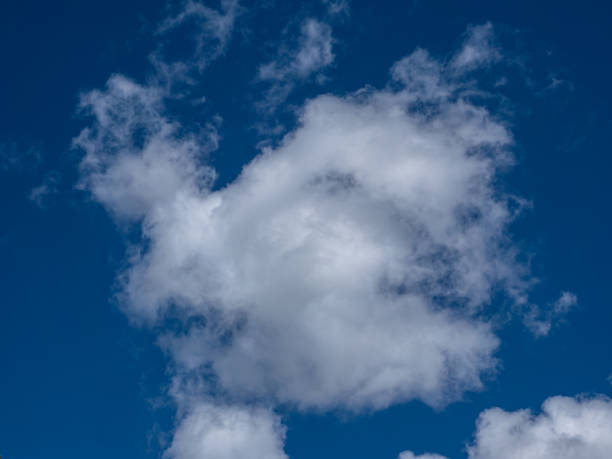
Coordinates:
(312,53)
(213,32)
(228,432)
(567,428)
(479,49)
(411,455)
(541,320)
(335,7)
(145,163)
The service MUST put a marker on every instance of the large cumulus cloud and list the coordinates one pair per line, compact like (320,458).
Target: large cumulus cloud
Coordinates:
(348,267)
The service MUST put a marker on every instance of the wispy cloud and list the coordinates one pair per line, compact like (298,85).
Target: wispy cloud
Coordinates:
(228,432)
(306,59)
(566,428)
(210,33)
(479,49)
(337,7)
(135,158)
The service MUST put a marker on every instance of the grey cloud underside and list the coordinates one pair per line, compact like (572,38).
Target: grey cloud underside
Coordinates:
(213,32)
(346,268)
(411,455)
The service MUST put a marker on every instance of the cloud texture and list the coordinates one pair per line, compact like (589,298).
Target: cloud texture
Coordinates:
(228,432)
(566,428)
(347,268)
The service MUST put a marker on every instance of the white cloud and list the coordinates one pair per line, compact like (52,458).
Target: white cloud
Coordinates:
(566,301)
(335,7)
(136,161)
(228,432)
(213,32)
(540,320)
(346,268)
(312,54)
(315,50)
(567,428)
(479,49)
(411,455)
(323,261)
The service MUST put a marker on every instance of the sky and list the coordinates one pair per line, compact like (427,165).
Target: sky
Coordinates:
(325,229)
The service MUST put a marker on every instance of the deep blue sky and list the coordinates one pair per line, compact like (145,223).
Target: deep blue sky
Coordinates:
(76,380)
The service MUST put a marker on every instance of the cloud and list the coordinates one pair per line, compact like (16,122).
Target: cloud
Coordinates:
(136,160)
(567,428)
(213,32)
(228,432)
(540,320)
(322,262)
(312,54)
(337,7)
(479,49)
(347,268)
(411,455)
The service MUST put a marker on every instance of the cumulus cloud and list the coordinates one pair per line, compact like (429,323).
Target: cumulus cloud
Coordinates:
(324,260)
(346,268)
(136,159)
(312,54)
(567,428)
(228,432)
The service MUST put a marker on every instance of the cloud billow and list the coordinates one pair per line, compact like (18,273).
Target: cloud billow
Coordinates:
(346,268)
(566,428)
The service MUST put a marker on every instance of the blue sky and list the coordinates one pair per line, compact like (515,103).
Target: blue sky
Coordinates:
(323,229)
